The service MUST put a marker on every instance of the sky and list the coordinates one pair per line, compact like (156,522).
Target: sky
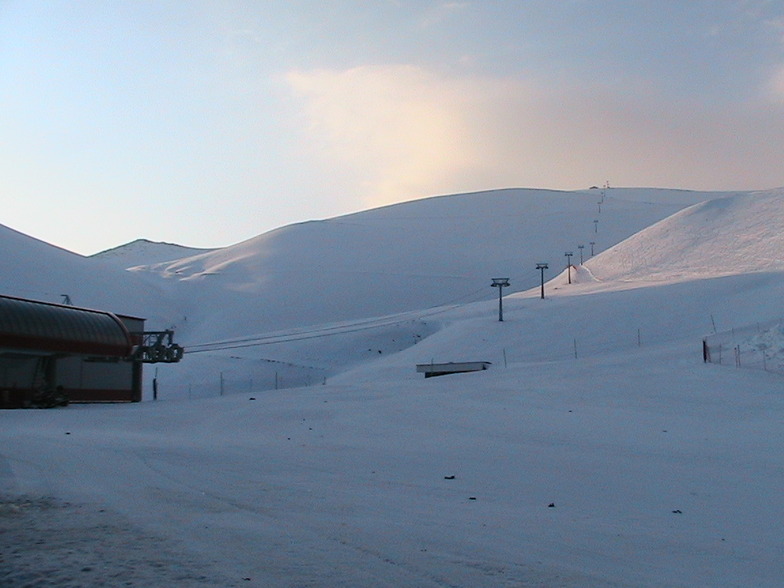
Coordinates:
(209,122)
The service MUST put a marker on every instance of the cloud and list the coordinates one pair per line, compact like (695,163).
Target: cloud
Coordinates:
(398,129)
(401,132)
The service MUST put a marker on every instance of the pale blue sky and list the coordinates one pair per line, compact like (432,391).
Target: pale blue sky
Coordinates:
(209,122)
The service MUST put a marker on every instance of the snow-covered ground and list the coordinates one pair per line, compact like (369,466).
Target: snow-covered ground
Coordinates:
(597,450)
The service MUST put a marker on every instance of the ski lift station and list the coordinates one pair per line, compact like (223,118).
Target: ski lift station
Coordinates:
(54,354)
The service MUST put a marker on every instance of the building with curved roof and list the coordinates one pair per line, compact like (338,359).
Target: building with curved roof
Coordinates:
(81,354)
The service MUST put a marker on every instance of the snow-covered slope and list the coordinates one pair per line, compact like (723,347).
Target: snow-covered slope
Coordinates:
(733,235)
(403,257)
(144,251)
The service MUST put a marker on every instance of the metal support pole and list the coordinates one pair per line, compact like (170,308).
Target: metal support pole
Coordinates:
(500,283)
(568,256)
(541,267)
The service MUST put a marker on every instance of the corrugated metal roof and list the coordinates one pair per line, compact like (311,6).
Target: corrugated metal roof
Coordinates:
(53,328)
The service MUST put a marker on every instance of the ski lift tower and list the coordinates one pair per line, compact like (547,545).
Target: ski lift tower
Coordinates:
(541,267)
(500,283)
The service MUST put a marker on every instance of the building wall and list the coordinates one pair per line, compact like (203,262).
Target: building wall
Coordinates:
(86,380)
(19,378)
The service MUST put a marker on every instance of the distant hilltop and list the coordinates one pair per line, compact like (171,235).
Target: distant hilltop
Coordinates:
(144,251)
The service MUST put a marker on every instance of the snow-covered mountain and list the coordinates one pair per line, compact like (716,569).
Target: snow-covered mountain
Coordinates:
(402,257)
(346,272)
(393,259)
